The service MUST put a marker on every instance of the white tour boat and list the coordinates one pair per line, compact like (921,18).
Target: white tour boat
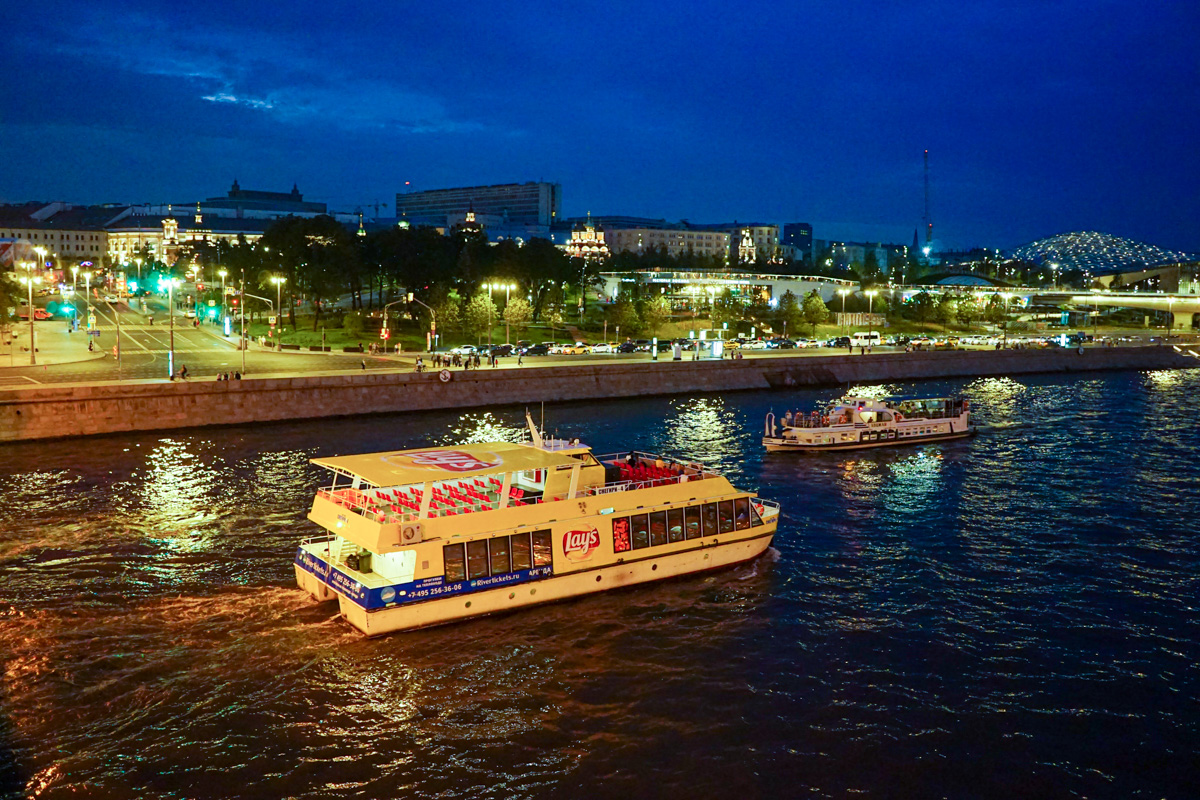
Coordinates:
(427,536)
(859,422)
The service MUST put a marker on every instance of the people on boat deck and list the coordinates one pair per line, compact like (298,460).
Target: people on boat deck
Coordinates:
(787,419)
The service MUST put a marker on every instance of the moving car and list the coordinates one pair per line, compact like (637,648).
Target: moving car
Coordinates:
(111,298)
(38,313)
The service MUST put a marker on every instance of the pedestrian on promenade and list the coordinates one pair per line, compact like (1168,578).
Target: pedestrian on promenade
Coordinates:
(364,364)
(519,359)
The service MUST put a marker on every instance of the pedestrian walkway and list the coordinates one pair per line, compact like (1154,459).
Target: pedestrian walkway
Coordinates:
(55,345)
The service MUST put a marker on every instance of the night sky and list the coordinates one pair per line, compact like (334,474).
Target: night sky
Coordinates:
(1040,117)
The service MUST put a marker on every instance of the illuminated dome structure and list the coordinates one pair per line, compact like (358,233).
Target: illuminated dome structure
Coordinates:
(1095,253)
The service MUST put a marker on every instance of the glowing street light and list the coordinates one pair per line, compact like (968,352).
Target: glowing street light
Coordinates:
(170,283)
(843,293)
(870,293)
(29,280)
(222,272)
(279,281)
(1006,297)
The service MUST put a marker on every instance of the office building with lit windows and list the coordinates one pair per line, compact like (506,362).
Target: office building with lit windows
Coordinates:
(538,204)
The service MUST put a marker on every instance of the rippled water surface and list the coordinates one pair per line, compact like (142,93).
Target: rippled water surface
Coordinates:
(1010,616)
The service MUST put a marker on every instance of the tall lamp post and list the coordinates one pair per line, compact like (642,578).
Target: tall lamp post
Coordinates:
(843,293)
(222,272)
(29,280)
(171,284)
(1006,297)
(87,282)
(870,293)
(279,280)
(242,306)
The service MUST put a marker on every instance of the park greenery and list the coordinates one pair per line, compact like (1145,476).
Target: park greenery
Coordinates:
(418,279)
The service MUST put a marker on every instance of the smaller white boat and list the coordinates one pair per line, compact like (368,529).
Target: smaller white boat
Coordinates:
(859,422)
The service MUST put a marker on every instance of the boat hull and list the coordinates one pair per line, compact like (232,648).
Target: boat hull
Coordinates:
(778,445)
(630,572)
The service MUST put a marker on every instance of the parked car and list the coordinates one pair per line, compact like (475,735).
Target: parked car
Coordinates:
(537,350)
(502,350)
(627,347)
(838,341)
(604,347)
(38,313)
(464,350)
(781,344)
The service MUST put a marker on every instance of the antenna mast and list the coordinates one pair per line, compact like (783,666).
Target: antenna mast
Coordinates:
(928,220)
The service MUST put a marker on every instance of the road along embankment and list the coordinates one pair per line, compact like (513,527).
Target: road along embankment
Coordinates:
(47,412)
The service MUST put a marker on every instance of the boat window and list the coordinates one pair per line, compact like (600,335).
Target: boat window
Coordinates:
(621,543)
(500,555)
(691,517)
(477,559)
(726,513)
(741,510)
(658,528)
(455,562)
(641,531)
(710,519)
(543,549)
(522,555)
(755,519)
(675,524)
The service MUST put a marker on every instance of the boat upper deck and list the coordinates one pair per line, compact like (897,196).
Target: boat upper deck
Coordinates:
(446,482)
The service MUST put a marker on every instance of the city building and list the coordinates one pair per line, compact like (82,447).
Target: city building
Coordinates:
(161,237)
(797,241)
(538,204)
(71,235)
(675,240)
(693,290)
(750,242)
(587,242)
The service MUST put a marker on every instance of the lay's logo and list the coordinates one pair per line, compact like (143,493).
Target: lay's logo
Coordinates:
(579,545)
(453,460)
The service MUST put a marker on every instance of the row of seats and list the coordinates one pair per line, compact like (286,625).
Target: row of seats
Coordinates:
(645,472)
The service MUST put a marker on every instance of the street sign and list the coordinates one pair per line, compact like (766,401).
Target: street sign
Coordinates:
(384,333)
(271,320)
(93,333)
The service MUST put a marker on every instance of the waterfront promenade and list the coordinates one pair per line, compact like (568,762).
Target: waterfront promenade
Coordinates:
(32,411)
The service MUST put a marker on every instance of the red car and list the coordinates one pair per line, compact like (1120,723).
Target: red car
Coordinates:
(38,313)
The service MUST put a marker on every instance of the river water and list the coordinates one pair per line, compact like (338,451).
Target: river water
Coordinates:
(1013,615)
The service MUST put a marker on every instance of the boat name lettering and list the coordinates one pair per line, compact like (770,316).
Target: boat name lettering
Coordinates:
(877,424)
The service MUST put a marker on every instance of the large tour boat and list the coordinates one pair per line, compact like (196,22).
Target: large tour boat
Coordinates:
(860,422)
(427,536)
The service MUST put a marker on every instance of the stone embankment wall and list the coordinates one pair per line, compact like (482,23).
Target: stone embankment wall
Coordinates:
(46,412)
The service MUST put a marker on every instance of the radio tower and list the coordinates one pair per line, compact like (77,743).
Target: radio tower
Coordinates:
(928,220)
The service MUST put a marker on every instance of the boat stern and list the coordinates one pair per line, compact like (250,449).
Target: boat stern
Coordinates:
(312,569)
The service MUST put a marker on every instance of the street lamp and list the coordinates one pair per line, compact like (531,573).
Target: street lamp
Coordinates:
(171,284)
(870,293)
(843,293)
(74,277)
(1006,297)
(279,280)
(1054,274)
(222,273)
(29,280)
(87,282)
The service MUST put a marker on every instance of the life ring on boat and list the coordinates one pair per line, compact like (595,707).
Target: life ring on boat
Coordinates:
(445,376)
(899,417)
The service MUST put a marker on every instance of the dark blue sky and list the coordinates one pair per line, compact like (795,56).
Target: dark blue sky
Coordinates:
(1040,116)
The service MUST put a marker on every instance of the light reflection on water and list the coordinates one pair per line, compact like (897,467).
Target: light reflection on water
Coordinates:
(928,604)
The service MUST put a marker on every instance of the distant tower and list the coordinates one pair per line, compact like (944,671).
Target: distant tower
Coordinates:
(927,220)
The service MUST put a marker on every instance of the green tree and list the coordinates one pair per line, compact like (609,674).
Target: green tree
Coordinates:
(922,307)
(518,314)
(726,309)
(945,310)
(352,324)
(967,310)
(789,314)
(449,313)
(654,313)
(814,310)
(479,315)
(623,315)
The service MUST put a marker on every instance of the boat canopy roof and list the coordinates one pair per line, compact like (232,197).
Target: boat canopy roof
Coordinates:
(403,467)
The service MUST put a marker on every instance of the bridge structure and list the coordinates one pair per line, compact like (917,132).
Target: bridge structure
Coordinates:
(1180,307)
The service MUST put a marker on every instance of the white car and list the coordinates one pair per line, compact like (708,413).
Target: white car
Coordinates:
(190,313)
(111,298)
(755,344)
(463,350)
(604,347)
